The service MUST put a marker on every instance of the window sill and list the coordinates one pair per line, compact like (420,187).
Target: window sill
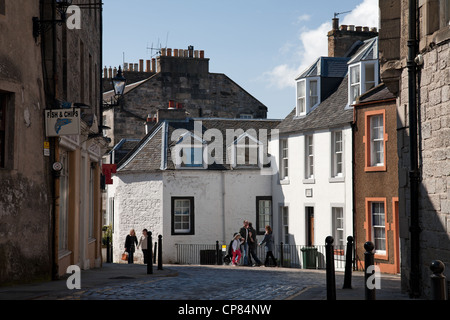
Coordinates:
(309,181)
(285,181)
(336,180)
(375,169)
(63,253)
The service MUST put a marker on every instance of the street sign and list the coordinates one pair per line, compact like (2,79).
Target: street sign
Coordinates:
(62,122)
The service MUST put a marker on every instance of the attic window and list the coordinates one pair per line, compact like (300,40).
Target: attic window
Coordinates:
(363,76)
(308,95)
(247,152)
(189,151)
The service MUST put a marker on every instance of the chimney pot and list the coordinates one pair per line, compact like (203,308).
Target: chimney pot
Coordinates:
(202,54)
(335,23)
(171,104)
(175,52)
(373,29)
(163,52)
(366,29)
(148,66)
(153,65)
(359,28)
(169,52)
(343,27)
(141,65)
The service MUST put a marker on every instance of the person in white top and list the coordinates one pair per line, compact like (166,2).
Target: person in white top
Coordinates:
(143,244)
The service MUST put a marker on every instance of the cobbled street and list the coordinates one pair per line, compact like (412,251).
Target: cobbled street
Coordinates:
(215,283)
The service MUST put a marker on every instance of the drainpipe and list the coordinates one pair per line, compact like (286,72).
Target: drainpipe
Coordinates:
(413,144)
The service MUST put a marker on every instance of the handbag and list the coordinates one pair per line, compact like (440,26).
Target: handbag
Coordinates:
(125,256)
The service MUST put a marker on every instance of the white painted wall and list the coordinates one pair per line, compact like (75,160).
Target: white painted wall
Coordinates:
(222,201)
(326,192)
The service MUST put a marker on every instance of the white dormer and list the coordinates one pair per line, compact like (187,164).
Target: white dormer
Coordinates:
(247,152)
(189,152)
(308,95)
(363,70)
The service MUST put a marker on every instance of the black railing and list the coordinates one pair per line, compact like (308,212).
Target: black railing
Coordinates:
(288,256)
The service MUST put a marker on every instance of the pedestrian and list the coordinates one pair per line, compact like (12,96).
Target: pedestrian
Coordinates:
(252,244)
(143,241)
(130,242)
(236,246)
(244,246)
(268,241)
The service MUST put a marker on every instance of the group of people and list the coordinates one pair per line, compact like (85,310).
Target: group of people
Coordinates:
(244,246)
(131,244)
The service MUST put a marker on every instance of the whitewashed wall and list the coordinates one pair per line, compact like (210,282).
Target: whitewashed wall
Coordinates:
(326,193)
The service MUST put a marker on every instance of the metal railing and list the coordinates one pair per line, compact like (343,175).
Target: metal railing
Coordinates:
(288,256)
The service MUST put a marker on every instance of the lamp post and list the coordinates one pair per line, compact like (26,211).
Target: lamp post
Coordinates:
(119,82)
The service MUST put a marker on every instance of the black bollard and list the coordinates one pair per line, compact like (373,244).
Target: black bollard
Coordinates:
(348,264)
(155,251)
(150,253)
(108,252)
(218,259)
(369,262)
(331,280)
(282,255)
(438,281)
(160,261)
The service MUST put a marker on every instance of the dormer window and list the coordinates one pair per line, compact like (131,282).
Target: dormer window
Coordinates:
(363,76)
(247,152)
(188,153)
(308,93)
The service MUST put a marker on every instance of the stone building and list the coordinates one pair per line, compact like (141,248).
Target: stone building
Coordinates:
(415,57)
(50,182)
(177,79)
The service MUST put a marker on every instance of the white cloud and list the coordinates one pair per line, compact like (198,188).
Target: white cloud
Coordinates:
(314,44)
(303,17)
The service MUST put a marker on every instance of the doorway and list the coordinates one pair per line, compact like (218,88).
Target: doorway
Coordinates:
(309,213)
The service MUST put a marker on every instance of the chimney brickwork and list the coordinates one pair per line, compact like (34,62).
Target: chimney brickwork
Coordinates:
(341,38)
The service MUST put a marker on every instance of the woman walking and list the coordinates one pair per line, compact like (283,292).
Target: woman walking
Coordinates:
(268,241)
(130,244)
(143,244)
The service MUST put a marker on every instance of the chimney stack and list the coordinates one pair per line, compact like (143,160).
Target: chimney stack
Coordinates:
(342,38)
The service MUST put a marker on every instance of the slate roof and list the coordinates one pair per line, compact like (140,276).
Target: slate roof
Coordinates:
(153,152)
(326,67)
(333,111)
(330,113)
(378,93)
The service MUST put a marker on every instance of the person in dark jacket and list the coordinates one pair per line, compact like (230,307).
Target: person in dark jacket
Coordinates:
(130,245)
(268,241)
(252,244)
(244,246)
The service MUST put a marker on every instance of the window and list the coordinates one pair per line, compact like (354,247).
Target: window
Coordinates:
(363,77)
(301,97)
(355,84)
(246,116)
(308,95)
(313,93)
(285,224)
(2,7)
(284,155)
(264,213)
(2,130)
(309,157)
(375,139)
(337,154)
(378,227)
(247,151)
(192,157)
(64,202)
(182,216)
(338,226)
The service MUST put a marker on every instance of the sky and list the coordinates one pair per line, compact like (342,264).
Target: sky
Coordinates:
(262,45)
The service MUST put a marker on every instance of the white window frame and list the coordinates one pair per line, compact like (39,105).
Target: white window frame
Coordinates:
(182,230)
(189,142)
(381,226)
(362,84)
(241,149)
(304,100)
(338,225)
(337,155)
(376,140)
(284,159)
(309,157)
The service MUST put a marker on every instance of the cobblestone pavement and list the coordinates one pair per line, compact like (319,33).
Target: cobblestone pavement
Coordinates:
(218,283)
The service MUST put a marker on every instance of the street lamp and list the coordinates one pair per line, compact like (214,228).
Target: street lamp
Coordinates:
(119,83)
(41,26)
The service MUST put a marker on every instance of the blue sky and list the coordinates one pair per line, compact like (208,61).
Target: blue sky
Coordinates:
(260,44)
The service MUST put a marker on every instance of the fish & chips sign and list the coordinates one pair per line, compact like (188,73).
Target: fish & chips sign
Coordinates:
(62,122)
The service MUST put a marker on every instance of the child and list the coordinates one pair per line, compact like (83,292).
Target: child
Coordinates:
(236,246)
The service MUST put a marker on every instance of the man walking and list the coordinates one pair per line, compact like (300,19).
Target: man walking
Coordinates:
(244,245)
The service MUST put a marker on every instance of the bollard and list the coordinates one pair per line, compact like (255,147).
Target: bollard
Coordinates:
(217,254)
(155,251)
(348,264)
(438,281)
(369,262)
(331,280)
(108,253)
(150,253)
(282,255)
(160,267)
